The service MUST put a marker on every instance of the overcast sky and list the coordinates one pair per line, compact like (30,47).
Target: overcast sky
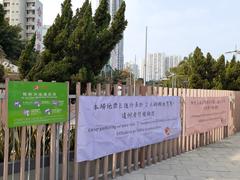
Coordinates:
(174,26)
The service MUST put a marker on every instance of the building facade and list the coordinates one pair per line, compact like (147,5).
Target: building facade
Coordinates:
(157,65)
(28,14)
(44,32)
(117,55)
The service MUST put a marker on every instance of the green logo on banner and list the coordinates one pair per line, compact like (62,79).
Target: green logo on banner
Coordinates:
(36,103)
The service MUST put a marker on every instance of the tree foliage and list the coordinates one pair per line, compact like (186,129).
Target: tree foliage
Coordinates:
(28,58)
(77,47)
(2,73)
(124,77)
(205,72)
(10,39)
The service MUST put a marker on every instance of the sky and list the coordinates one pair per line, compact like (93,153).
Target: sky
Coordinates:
(174,27)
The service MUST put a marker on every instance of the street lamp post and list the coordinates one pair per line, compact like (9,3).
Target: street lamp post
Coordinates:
(134,77)
(145,63)
(235,52)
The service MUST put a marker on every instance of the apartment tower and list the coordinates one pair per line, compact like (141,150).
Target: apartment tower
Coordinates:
(28,14)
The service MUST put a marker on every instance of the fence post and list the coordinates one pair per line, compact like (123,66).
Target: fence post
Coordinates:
(136,151)
(142,150)
(114,156)
(175,141)
(183,104)
(188,139)
(23,153)
(149,147)
(76,165)
(105,159)
(202,135)
(52,169)
(6,134)
(171,141)
(97,161)
(129,152)
(122,154)
(155,146)
(38,151)
(160,145)
(179,141)
(87,163)
(165,143)
(65,141)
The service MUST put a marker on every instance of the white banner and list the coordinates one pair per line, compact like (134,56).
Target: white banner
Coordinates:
(112,124)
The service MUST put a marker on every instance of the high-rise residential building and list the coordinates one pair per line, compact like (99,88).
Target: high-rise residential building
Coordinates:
(157,65)
(117,56)
(44,32)
(154,66)
(28,14)
(133,68)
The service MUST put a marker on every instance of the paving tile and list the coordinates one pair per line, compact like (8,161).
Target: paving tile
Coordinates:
(132,177)
(220,161)
(159,177)
(190,178)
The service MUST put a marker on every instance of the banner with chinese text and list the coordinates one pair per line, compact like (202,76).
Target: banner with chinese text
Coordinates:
(36,103)
(206,113)
(113,124)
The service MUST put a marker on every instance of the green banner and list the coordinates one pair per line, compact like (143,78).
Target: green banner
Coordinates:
(36,103)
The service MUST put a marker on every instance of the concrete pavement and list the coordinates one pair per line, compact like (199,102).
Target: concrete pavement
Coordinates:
(220,161)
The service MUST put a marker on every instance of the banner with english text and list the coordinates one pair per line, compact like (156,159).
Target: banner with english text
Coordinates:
(112,124)
(206,113)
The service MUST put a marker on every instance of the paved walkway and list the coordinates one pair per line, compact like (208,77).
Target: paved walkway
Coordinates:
(220,161)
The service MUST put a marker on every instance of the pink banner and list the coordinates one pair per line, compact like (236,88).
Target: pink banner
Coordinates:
(206,113)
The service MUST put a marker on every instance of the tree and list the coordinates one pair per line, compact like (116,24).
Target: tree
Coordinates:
(209,71)
(28,58)
(122,76)
(2,54)
(58,34)
(198,71)
(10,38)
(233,75)
(82,43)
(197,77)
(219,68)
(2,73)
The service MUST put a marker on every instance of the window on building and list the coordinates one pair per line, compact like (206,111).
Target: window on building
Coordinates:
(17,11)
(17,4)
(13,3)
(12,11)
(16,19)
(5,4)
(33,27)
(29,20)
(33,12)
